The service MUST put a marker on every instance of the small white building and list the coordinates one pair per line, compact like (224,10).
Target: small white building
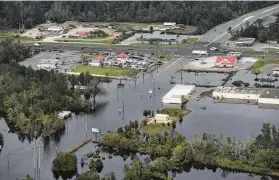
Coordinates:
(222,92)
(162,118)
(48,64)
(169,23)
(174,96)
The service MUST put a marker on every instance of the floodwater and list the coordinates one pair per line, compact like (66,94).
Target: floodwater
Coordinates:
(240,121)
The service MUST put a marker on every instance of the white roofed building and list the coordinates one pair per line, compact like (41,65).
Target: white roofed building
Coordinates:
(174,96)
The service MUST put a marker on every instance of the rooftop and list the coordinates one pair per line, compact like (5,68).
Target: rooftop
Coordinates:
(239,90)
(270,93)
(174,95)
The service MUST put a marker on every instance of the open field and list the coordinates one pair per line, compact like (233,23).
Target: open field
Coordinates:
(87,41)
(109,71)
(185,31)
(188,43)
(7,35)
(142,25)
(258,66)
(153,128)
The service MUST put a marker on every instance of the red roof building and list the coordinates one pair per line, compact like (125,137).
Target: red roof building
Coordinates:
(99,58)
(81,34)
(226,61)
(122,55)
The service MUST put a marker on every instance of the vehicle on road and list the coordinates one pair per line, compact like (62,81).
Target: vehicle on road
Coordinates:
(198,52)
(214,49)
(38,45)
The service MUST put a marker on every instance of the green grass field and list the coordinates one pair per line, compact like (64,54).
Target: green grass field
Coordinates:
(243,49)
(87,41)
(163,57)
(14,35)
(155,128)
(257,67)
(109,71)
(271,49)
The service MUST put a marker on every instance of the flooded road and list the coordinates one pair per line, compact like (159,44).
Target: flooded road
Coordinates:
(240,121)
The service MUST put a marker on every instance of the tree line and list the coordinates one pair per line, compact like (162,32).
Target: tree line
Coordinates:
(204,15)
(172,152)
(258,31)
(31,99)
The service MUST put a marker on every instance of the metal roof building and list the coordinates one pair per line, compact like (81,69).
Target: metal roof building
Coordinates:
(174,95)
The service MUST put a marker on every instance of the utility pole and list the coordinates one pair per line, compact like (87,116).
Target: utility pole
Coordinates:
(181,77)
(39,172)
(86,129)
(157,48)
(35,157)
(154,87)
(8,162)
(117,92)
(123,99)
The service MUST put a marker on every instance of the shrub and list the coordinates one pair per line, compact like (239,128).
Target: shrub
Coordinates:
(90,154)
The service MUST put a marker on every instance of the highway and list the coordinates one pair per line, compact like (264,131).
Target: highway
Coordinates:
(220,33)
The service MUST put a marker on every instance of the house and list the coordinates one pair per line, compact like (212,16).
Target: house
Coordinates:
(162,118)
(226,61)
(96,61)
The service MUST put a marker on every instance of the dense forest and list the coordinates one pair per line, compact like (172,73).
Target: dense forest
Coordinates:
(258,31)
(204,15)
(31,98)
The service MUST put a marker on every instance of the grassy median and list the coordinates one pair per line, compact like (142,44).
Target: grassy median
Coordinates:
(107,71)
(257,67)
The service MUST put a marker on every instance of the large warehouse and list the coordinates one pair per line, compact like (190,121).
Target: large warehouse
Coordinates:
(222,92)
(174,96)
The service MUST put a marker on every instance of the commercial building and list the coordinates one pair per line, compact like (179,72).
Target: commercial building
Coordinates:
(225,61)
(48,64)
(245,41)
(269,99)
(177,94)
(240,93)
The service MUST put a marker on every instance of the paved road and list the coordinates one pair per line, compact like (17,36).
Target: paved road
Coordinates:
(267,69)
(220,33)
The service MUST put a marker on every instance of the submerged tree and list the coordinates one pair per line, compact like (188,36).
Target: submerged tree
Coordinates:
(64,165)
(94,89)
